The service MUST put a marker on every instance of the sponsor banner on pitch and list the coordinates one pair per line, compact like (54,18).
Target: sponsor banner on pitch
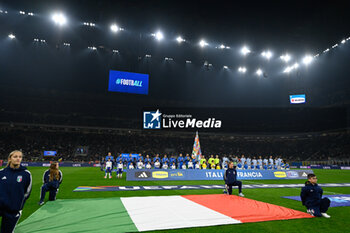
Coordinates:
(189,174)
(188,187)
(47,164)
(336,200)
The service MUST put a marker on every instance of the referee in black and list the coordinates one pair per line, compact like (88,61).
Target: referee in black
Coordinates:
(230,178)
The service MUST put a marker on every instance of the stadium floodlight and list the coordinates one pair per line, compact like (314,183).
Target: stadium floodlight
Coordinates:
(259,72)
(267,54)
(286,57)
(43,41)
(188,62)
(343,41)
(180,39)
(307,59)
(114,28)
(336,45)
(202,43)
(225,67)
(92,48)
(59,19)
(325,51)
(36,39)
(148,55)
(222,46)
(30,13)
(242,69)
(346,38)
(91,24)
(11,36)
(245,50)
(22,12)
(288,69)
(158,35)
(66,44)
(295,66)
(115,51)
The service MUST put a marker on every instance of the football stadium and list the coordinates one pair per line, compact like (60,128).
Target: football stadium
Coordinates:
(164,116)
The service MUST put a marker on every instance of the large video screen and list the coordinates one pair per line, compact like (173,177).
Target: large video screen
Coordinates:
(50,153)
(297,99)
(127,82)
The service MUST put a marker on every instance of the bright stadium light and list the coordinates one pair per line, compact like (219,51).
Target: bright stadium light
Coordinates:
(245,50)
(158,35)
(31,14)
(11,36)
(266,54)
(114,28)
(259,72)
(242,69)
(22,12)
(202,43)
(188,61)
(180,39)
(343,41)
(307,59)
(287,69)
(286,57)
(59,19)
(222,46)
(225,67)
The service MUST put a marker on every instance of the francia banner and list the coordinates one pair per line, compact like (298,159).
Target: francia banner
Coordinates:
(190,174)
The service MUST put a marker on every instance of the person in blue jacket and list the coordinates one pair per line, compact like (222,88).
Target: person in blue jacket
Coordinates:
(51,182)
(15,188)
(180,161)
(230,177)
(311,197)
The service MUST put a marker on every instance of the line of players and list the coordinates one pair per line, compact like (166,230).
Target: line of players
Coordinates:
(260,163)
(187,162)
(156,163)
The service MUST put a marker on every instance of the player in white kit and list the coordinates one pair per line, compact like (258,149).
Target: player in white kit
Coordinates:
(109,166)
(120,166)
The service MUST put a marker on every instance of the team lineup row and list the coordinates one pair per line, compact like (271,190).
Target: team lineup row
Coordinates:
(181,162)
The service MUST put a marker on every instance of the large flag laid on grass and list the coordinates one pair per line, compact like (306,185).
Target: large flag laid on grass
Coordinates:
(132,214)
(197,148)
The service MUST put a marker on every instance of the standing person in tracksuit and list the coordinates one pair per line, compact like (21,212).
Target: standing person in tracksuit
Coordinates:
(15,188)
(311,197)
(52,179)
(230,178)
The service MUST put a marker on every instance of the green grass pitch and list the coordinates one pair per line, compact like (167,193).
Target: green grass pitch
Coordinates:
(74,177)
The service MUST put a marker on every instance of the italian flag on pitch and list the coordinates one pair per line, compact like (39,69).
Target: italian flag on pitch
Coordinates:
(132,214)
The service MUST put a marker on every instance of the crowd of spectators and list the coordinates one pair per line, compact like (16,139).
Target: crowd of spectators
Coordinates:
(34,140)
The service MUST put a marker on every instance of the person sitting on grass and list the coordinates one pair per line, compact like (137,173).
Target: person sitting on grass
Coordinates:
(51,182)
(230,178)
(311,197)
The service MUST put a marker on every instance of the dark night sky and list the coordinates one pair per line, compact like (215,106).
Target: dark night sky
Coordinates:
(298,27)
